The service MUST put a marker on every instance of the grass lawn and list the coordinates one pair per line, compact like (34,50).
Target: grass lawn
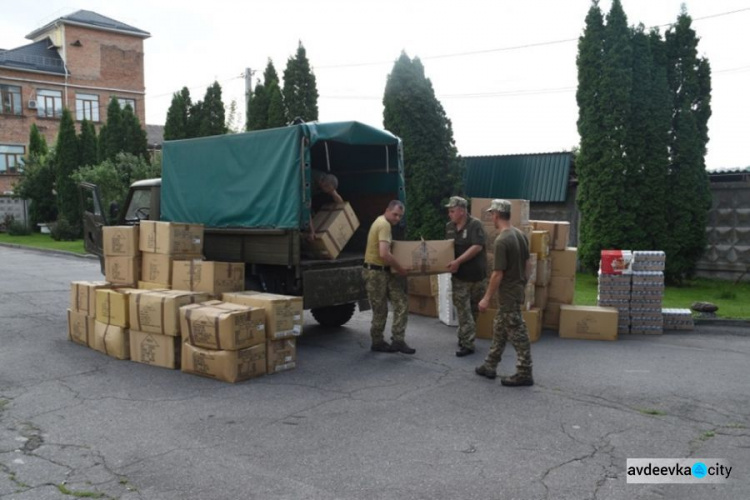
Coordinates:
(733,300)
(38,240)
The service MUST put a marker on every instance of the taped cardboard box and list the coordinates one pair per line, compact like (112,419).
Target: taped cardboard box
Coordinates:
(284,313)
(532,318)
(113,305)
(531,278)
(559,232)
(122,271)
(335,224)
(424,286)
(551,316)
(484,323)
(171,238)
(564,262)
(208,276)
(120,241)
(588,322)
(541,296)
(229,366)
(281,355)
(561,290)
(83,295)
(80,327)
(154,349)
(111,340)
(543,271)
(145,285)
(423,257)
(223,325)
(539,244)
(424,306)
(519,210)
(157,267)
(158,311)
(529,299)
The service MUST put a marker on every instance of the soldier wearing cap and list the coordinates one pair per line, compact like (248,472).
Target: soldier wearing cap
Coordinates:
(382,285)
(509,277)
(469,270)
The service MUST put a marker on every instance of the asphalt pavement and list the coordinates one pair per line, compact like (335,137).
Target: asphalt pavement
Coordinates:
(351,424)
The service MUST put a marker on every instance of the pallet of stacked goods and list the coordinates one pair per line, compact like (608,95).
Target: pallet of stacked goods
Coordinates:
(613,290)
(647,292)
(677,319)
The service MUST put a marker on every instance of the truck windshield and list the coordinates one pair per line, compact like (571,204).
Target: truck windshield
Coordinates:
(140,205)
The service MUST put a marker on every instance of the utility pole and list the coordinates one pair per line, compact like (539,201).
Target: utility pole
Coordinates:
(248,91)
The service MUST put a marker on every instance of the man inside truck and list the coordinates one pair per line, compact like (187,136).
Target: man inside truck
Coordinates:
(322,190)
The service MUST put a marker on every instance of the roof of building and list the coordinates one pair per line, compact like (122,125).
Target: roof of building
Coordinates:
(37,56)
(155,136)
(91,19)
(542,177)
(722,171)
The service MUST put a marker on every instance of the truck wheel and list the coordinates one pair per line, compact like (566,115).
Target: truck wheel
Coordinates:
(333,315)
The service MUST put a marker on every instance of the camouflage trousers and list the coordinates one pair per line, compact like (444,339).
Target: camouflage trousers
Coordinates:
(466,297)
(381,287)
(509,325)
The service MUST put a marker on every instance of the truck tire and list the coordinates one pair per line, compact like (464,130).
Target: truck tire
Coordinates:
(333,315)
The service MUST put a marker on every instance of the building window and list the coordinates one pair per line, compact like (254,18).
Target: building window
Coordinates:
(87,107)
(49,103)
(10,100)
(124,101)
(11,159)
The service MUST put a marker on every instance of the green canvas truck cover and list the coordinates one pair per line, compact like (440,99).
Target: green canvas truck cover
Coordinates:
(254,179)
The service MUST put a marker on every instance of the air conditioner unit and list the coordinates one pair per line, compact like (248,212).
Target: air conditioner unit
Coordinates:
(32,104)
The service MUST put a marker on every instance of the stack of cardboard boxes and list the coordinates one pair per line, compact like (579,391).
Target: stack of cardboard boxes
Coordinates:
(556,274)
(163,243)
(677,319)
(82,311)
(647,292)
(423,295)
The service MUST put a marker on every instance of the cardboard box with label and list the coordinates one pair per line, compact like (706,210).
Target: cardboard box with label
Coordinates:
(122,271)
(561,290)
(423,257)
(531,278)
(229,366)
(80,327)
(588,322)
(145,285)
(551,316)
(83,295)
(171,238)
(112,305)
(223,325)
(543,271)
(157,267)
(564,262)
(154,349)
(519,210)
(120,241)
(281,355)
(539,244)
(112,340)
(208,276)
(533,320)
(284,313)
(424,306)
(334,225)
(559,232)
(158,311)
(541,296)
(425,286)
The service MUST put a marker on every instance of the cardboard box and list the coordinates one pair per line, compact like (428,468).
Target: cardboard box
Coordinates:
(616,262)
(447,312)
(229,366)
(424,306)
(157,267)
(533,320)
(425,286)
(171,238)
(543,271)
(145,285)
(529,296)
(284,313)
(123,271)
(423,257)
(559,232)
(588,322)
(561,290)
(539,244)
(83,295)
(80,327)
(334,225)
(208,276)
(541,296)
(551,316)
(564,262)
(120,241)
(223,325)
(112,340)
(112,305)
(281,355)
(484,323)
(158,311)
(154,349)
(531,278)
(519,210)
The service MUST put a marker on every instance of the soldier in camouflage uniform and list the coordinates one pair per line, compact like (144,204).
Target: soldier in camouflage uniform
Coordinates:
(509,278)
(469,270)
(382,285)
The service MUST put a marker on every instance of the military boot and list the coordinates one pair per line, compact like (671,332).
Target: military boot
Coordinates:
(520,379)
(381,346)
(401,346)
(485,372)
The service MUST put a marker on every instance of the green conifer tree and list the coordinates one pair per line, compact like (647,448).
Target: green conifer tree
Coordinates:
(66,162)
(300,89)
(176,125)
(87,143)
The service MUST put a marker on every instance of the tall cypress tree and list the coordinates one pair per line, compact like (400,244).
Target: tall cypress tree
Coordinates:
(37,142)
(134,136)
(213,114)
(66,162)
(689,78)
(433,171)
(176,125)
(257,108)
(115,133)
(87,143)
(276,113)
(300,88)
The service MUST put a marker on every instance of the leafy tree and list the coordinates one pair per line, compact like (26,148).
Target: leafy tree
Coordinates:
(176,126)
(37,142)
(66,162)
(212,121)
(37,185)
(87,144)
(300,90)
(689,78)
(114,141)
(433,170)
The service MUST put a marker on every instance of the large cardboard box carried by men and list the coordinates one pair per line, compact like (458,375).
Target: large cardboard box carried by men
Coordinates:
(223,325)
(284,313)
(171,238)
(423,257)
(158,311)
(334,224)
(229,366)
(211,277)
(588,322)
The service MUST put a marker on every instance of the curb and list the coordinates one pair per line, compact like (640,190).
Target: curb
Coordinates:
(47,250)
(721,322)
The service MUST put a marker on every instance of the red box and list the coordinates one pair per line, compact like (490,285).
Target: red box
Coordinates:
(616,262)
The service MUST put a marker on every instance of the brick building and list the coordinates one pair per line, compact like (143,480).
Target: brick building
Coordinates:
(79,62)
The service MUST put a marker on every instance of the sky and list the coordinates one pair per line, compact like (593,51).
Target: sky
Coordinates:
(505,71)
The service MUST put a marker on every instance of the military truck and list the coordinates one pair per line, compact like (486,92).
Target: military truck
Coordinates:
(252,192)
